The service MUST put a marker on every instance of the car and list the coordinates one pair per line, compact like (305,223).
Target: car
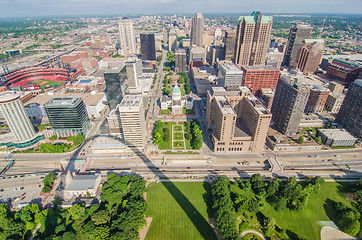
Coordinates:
(22,198)
(15,189)
(2,190)
(21,188)
(309,156)
(188,167)
(336,155)
(23,194)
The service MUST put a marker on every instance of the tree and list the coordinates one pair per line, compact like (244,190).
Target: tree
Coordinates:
(272,187)
(100,217)
(318,139)
(279,203)
(269,223)
(254,206)
(54,137)
(300,140)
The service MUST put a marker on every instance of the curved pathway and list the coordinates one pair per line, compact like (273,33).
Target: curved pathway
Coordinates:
(254,232)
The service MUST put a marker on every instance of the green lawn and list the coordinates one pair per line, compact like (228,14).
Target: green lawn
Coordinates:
(188,111)
(178,136)
(178,144)
(305,223)
(177,128)
(165,112)
(166,144)
(179,211)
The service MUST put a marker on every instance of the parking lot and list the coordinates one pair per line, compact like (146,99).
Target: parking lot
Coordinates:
(21,189)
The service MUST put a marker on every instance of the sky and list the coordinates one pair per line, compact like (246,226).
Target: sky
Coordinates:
(30,8)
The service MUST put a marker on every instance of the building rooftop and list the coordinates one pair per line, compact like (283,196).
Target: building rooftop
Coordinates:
(252,18)
(8,96)
(61,101)
(131,100)
(358,82)
(82,182)
(224,105)
(114,69)
(259,68)
(90,99)
(337,134)
(229,67)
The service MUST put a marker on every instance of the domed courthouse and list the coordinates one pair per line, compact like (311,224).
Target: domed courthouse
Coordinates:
(176,102)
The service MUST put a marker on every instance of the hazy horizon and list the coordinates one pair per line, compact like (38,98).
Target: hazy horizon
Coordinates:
(42,8)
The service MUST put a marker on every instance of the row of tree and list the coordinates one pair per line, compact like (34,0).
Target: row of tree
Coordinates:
(193,133)
(48,182)
(184,78)
(119,216)
(161,132)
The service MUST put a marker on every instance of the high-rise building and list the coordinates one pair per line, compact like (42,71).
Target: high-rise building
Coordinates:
(67,115)
(132,69)
(180,60)
(346,71)
(274,58)
(317,99)
(148,50)
(334,102)
(238,120)
(197,30)
(229,74)
(127,36)
(309,55)
(336,87)
(198,54)
(350,113)
(252,39)
(216,53)
(230,38)
(172,41)
(14,113)
(116,85)
(297,35)
(257,77)
(133,121)
(289,103)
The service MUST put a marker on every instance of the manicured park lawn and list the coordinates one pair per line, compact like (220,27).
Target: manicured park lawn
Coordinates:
(178,136)
(177,128)
(306,222)
(179,211)
(178,144)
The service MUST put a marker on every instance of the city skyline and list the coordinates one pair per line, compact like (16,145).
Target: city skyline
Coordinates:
(26,8)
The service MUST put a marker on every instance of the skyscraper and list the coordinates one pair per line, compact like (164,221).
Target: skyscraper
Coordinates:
(133,121)
(14,112)
(180,60)
(230,38)
(127,36)
(67,115)
(132,73)
(238,120)
(252,39)
(172,40)
(148,50)
(289,103)
(229,74)
(116,85)
(297,35)
(197,30)
(309,55)
(257,77)
(350,113)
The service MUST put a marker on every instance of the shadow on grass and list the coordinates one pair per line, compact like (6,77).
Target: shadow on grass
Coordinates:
(191,211)
(207,196)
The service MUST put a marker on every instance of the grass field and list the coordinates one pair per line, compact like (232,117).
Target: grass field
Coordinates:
(179,211)
(178,144)
(178,135)
(306,223)
(177,128)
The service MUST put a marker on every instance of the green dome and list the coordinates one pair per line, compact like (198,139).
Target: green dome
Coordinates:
(176,89)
